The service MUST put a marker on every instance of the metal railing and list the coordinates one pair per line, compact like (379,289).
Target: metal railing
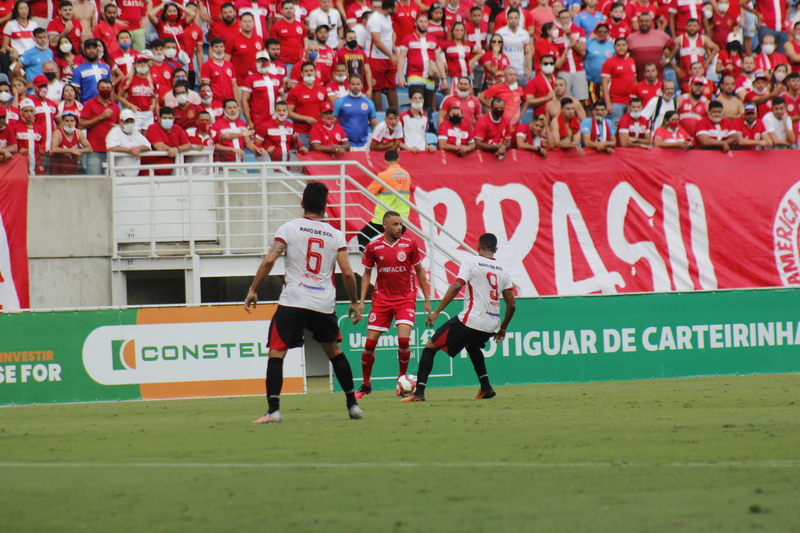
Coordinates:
(198,207)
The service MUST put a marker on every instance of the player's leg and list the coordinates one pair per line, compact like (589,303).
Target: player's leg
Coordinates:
(479,364)
(367,361)
(325,328)
(443,339)
(285,331)
(403,346)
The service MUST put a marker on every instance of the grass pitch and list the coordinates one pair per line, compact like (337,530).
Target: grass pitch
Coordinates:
(699,455)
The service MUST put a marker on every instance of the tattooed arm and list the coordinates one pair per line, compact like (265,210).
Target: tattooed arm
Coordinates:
(264,269)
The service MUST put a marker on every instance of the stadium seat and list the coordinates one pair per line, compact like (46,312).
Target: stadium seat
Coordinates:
(435,120)
(381,116)
(402,98)
(431,138)
(404,108)
(527,117)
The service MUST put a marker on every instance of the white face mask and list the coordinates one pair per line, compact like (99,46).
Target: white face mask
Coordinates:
(797,37)
(554,33)
(207,100)
(355,92)
(159,58)
(708,11)
(309,80)
(768,48)
(262,70)
(341,79)
(636,114)
(5,96)
(417,105)
(69,129)
(142,70)
(779,76)
(170,52)
(167,123)
(182,98)
(232,118)
(723,8)
(714,120)
(462,94)
(41,47)
(128,128)
(65,47)
(548,69)
(281,116)
(218,56)
(513,86)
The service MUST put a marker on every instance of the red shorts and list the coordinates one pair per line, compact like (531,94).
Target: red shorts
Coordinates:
(384,74)
(380,317)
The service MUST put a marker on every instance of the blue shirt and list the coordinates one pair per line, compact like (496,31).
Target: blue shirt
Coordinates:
(596,55)
(588,123)
(586,21)
(32,60)
(86,75)
(354,115)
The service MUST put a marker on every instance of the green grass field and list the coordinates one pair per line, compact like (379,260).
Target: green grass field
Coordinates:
(699,455)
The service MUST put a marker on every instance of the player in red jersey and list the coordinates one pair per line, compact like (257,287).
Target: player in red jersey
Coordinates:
(486,281)
(396,258)
(313,249)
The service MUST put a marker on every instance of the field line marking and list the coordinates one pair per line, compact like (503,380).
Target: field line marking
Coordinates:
(721,464)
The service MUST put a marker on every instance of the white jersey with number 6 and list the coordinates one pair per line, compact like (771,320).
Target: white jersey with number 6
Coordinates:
(485,281)
(311,249)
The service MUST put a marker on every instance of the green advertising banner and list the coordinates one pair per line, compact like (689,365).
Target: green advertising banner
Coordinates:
(613,337)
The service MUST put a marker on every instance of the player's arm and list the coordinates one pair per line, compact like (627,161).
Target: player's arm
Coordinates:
(350,285)
(264,269)
(452,292)
(511,306)
(365,283)
(423,285)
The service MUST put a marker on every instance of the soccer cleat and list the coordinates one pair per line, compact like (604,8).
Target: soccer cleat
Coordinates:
(269,418)
(355,412)
(413,398)
(485,394)
(362,391)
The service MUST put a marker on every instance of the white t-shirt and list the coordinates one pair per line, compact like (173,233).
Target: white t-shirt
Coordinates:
(650,109)
(382,132)
(776,126)
(514,46)
(311,250)
(332,19)
(21,44)
(116,137)
(363,37)
(414,130)
(485,281)
(382,24)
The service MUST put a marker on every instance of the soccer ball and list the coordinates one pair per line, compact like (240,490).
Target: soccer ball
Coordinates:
(405,385)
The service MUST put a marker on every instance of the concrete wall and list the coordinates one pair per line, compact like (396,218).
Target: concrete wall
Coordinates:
(69,241)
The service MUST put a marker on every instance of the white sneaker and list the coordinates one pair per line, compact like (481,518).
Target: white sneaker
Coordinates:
(355,412)
(269,418)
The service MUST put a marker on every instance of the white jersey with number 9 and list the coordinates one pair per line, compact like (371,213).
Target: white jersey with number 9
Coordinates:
(311,250)
(485,280)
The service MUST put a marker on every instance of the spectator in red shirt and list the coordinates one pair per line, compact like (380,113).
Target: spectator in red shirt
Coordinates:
(65,25)
(634,129)
(650,87)
(356,60)
(262,91)
(541,89)
(463,99)
(276,136)
(227,26)
(649,45)
(510,92)
(107,31)
(452,138)
(698,70)
(768,59)
(8,139)
(305,101)
(729,60)
(242,49)
(219,73)
(30,137)
(618,78)
(186,113)
(535,139)
(618,27)
(327,136)
(565,129)
(752,134)
(292,35)
(714,132)
(671,135)
(98,116)
(166,136)
(69,145)
(138,93)
(692,107)
(492,131)
(420,62)
(760,95)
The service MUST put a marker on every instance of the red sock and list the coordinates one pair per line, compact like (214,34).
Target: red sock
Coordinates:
(368,359)
(403,354)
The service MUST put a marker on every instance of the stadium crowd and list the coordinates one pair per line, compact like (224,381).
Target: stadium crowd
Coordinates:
(81,78)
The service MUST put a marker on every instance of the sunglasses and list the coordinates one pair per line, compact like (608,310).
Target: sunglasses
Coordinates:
(548,64)
(497,42)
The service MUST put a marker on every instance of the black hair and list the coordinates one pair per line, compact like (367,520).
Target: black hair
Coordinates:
(567,100)
(166,111)
(778,100)
(391,155)
(488,241)
(391,111)
(387,4)
(315,196)
(216,40)
(632,101)
(599,103)
(157,43)
(389,214)
(39,31)
(271,41)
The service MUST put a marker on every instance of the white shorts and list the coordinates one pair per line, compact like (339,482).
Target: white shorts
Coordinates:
(144,119)
(577,87)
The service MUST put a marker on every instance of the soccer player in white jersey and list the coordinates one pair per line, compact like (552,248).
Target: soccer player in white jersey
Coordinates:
(397,259)
(486,281)
(313,248)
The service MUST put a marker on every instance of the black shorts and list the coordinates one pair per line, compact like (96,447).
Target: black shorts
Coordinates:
(453,336)
(289,323)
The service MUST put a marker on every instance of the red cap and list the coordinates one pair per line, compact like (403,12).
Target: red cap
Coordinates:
(326,107)
(140,57)
(40,80)
(697,79)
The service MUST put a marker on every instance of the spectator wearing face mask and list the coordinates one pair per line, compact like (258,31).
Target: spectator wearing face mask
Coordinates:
(510,92)
(657,108)
(207,102)
(186,113)
(453,137)
(356,114)
(235,136)
(339,86)
(127,139)
(721,23)
(356,61)
(180,76)
(463,99)
(492,131)
(540,90)
(46,109)
(415,126)
(203,137)
(277,137)
(634,129)
(219,73)
(261,91)
(752,134)
(714,131)
(69,145)
(33,58)
(138,93)
(30,137)
(99,115)
(241,50)
(769,58)
(671,135)
(166,136)
(327,136)
(123,57)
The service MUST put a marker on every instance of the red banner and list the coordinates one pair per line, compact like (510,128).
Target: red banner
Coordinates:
(14,283)
(635,221)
